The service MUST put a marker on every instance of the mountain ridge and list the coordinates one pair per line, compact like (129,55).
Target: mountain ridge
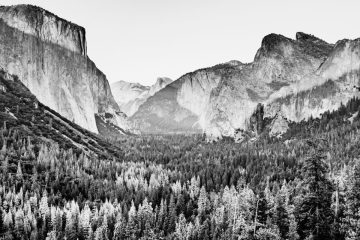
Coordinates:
(220,100)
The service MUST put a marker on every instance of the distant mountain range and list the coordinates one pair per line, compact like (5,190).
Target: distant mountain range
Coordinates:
(289,80)
(130,96)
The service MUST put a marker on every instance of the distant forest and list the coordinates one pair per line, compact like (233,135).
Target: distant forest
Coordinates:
(305,185)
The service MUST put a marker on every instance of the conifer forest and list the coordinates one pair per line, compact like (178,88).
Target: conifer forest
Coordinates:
(305,185)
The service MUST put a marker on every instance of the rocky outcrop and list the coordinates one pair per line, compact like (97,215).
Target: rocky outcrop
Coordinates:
(130,96)
(278,126)
(49,56)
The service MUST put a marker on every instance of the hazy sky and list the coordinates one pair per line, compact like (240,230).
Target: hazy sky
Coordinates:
(140,40)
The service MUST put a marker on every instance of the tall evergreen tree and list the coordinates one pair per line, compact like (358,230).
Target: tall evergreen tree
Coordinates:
(262,209)
(171,220)
(282,219)
(352,212)
(132,228)
(2,229)
(314,213)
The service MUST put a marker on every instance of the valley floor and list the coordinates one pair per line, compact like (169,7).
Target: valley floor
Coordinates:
(302,186)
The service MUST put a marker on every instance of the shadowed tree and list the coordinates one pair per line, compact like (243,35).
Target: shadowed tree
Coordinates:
(314,213)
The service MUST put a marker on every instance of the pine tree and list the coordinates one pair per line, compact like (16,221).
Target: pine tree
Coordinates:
(171,219)
(132,228)
(194,187)
(119,230)
(19,223)
(51,235)
(84,222)
(352,212)
(282,219)
(8,221)
(44,207)
(2,228)
(293,229)
(203,202)
(262,209)
(314,213)
(19,174)
(70,230)
(162,215)
(180,229)
(5,166)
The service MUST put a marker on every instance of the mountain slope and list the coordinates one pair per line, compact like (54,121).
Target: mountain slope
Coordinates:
(129,96)
(333,84)
(49,56)
(280,62)
(220,99)
(20,110)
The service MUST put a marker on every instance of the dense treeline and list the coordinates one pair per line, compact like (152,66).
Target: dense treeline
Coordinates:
(305,186)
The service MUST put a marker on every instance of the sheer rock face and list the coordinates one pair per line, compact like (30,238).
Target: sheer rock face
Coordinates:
(130,96)
(49,56)
(40,23)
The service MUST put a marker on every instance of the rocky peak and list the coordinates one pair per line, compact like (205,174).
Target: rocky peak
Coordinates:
(271,44)
(234,63)
(160,83)
(305,44)
(163,80)
(300,36)
(313,46)
(45,25)
(272,40)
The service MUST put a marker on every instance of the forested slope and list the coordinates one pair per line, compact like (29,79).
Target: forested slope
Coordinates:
(22,112)
(59,181)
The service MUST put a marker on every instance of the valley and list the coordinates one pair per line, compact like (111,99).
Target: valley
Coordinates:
(267,150)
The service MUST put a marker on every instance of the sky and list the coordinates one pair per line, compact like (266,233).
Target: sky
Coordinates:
(140,40)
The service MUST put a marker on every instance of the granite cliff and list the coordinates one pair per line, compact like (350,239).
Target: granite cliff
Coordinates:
(49,55)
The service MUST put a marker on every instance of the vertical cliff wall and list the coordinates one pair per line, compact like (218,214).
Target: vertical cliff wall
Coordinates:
(46,26)
(49,56)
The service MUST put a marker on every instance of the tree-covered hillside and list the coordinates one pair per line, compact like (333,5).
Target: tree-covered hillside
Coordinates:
(59,181)
(23,113)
